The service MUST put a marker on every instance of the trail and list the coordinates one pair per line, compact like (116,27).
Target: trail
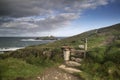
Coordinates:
(62,72)
(57,74)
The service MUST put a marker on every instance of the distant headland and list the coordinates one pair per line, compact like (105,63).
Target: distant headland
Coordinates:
(46,38)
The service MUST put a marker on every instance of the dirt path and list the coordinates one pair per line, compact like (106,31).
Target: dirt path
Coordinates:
(61,72)
(57,74)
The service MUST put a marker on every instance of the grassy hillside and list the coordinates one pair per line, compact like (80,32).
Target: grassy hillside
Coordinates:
(12,68)
(97,37)
(28,63)
(102,62)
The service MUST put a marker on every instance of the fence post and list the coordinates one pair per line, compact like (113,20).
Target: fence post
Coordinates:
(85,47)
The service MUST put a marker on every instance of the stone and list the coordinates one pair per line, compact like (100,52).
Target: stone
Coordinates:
(56,78)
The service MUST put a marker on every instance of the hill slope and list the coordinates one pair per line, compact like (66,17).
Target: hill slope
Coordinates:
(97,37)
(102,62)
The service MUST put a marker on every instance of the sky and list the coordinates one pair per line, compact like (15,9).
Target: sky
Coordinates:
(56,17)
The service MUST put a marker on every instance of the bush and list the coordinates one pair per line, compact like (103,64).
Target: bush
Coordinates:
(103,63)
(113,54)
(97,54)
(27,52)
(57,55)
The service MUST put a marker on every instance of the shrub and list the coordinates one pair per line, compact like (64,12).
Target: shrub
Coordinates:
(113,54)
(102,63)
(57,55)
(97,54)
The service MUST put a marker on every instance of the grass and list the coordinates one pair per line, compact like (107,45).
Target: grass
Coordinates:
(28,62)
(102,63)
(12,68)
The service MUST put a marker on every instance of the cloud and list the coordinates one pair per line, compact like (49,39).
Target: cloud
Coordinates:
(30,16)
(41,24)
(23,8)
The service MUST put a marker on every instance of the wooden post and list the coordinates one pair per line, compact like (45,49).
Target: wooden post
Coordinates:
(85,44)
(85,47)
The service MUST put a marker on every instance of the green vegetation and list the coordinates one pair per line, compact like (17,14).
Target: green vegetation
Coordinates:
(12,68)
(46,38)
(97,37)
(28,62)
(102,62)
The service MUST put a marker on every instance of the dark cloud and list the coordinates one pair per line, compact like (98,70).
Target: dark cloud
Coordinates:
(25,16)
(22,8)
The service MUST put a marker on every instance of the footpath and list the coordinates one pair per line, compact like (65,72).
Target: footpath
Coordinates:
(65,71)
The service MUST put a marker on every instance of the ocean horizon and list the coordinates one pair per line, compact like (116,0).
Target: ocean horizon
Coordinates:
(12,43)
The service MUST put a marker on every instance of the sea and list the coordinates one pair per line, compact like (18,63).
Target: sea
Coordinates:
(14,43)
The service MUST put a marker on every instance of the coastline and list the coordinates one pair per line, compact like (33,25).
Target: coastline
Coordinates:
(10,49)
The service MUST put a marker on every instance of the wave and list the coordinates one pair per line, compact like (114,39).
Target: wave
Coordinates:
(35,40)
(30,40)
(10,49)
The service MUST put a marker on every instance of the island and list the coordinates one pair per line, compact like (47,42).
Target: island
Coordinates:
(47,38)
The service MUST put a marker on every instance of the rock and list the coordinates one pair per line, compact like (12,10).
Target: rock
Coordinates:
(56,78)
(78,60)
(69,69)
(38,77)
(62,66)
(72,63)
(73,58)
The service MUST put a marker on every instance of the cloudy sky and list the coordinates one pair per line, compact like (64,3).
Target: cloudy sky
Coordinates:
(56,17)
